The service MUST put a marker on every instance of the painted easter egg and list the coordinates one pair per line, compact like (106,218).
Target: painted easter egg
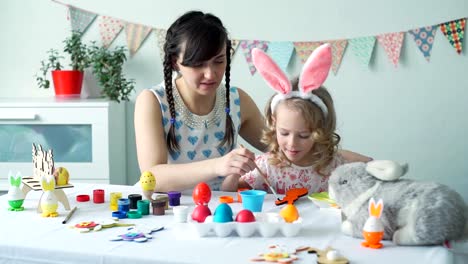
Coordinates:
(200,213)
(289,213)
(147,181)
(201,194)
(245,216)
(223,213)
(61,176)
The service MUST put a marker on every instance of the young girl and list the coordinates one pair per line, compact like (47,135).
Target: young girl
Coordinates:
(186,127)
(300,130)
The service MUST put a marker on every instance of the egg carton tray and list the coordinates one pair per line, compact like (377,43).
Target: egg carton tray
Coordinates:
(266,225)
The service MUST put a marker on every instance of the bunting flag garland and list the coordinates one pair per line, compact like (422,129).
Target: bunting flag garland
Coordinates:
(136,35)
(304,49)
(424,38)
(80,19)
(338,49)
(109,28)
(454,31)
(392,43)
(362,48)
(247,46)
(281,52)
(234,45)
(161,39)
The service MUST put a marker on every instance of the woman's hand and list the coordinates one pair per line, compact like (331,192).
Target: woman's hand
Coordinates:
(239,161)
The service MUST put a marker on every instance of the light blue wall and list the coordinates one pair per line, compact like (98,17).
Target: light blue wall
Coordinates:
(415,113)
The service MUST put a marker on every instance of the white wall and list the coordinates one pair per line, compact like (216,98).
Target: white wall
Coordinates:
(413,113)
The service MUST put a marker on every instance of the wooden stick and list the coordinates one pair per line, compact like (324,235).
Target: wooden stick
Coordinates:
(265,178)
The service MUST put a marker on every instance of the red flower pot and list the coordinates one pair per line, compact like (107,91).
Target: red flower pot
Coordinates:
(67,83)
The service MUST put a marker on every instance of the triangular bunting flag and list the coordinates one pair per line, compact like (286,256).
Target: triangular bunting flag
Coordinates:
(362,48)
(161,39)
(338,49)
(392,43)
(80,19)
(454,31)
(234,45)
(109,28)
(247,46)
(136,35)
(281,52)
(304,49)
(424,38)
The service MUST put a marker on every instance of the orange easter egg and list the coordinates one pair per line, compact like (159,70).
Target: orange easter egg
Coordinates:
(289,213)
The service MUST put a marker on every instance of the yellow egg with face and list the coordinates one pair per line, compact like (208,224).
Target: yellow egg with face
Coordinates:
(147,181)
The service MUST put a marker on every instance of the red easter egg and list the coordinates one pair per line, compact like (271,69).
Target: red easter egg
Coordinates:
(245,216)
(200,213)
(201,194)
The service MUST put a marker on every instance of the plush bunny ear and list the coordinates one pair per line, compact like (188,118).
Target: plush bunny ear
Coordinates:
(316,69)
(386,170)
(375,209)
(270,71)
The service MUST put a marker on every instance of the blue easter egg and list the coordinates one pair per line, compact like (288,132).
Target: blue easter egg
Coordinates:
(223,214)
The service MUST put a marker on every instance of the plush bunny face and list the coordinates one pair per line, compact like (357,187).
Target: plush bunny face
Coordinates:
(349,181)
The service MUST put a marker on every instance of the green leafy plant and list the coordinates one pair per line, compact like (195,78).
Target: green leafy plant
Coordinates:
(78,54)
(107,67)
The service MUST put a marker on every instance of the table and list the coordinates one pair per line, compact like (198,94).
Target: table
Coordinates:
(26,237)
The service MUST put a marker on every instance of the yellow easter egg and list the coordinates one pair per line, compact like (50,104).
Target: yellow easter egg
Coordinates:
(61,176)
(147,181)
(289,213)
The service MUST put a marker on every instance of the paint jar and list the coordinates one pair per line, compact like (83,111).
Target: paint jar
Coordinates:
(143,207)
(180,213)
(114,198)
(158,207)
(98,196)
(123,204)
(134,198)
(174,198)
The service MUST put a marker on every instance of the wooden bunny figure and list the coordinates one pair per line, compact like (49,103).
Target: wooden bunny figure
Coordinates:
(49,202)
(373,230)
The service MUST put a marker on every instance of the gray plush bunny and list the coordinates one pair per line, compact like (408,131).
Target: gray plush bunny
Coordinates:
(415,213)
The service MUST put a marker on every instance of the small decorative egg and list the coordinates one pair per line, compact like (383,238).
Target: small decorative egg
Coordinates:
(61,176)
(200,213)
(223,214)
(289,213)
(147,181)
(201,194)
(245,216)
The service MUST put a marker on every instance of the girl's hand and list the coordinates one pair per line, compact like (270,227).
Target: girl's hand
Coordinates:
(239,161)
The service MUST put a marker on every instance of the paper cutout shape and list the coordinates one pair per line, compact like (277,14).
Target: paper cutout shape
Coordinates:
(80,19)
(424,38)
(109,28)
(392,43)
(338,49)
(234,45)
(136,35)
(247,46)
(281,52)
(305,48)
(454,31)
(362,48)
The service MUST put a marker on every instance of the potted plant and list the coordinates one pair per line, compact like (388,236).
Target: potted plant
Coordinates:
(107,67)
(66,82)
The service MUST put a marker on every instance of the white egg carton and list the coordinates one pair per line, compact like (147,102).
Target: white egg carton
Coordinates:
(266,224)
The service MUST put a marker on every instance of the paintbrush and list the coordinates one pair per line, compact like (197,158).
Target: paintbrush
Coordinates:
(265,178)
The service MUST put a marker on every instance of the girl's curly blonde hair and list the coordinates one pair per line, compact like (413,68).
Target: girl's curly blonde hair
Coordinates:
(325,138)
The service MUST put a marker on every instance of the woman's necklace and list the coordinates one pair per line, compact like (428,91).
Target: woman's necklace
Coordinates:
(196,121)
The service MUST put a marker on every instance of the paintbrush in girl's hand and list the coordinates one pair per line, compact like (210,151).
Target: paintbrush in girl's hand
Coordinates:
(265,178)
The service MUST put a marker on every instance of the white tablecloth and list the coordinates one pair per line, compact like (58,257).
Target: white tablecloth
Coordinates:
(26,237)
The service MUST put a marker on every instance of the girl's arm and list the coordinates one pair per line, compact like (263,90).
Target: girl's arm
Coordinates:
(152,152)
(252,123)
(350,156)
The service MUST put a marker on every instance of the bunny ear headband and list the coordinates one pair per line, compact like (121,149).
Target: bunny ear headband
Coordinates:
(313,75)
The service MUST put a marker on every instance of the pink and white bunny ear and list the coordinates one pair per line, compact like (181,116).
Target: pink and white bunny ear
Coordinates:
(271,72)
(316,69)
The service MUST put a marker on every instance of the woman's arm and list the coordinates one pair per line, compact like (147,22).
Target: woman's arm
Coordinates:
(252,123)
(152,152)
